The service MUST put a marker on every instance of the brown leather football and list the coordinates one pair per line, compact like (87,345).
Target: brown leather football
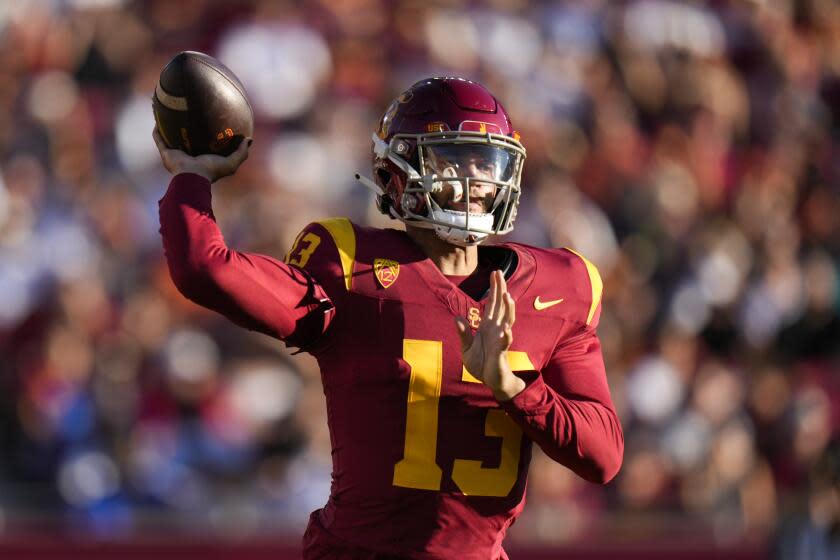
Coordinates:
(200,106)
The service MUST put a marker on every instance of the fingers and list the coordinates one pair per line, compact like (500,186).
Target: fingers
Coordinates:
(500,292)
(509,320)
(241,153)
(161,145)
(232,162)
(508,336)
(159,141)
(464,333)
(490,307)
(499,308)
(163,150)
(510,310)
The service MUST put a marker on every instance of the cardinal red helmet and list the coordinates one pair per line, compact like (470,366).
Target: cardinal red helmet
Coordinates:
(446,157)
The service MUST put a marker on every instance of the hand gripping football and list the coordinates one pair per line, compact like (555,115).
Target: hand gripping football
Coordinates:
(200,106)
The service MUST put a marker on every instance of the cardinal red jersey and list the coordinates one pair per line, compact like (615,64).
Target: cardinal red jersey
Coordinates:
(426,462)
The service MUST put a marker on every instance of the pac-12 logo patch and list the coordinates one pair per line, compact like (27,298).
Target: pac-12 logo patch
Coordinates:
(386,271)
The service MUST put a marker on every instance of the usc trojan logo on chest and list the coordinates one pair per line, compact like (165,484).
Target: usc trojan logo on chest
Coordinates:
(386,271)
(474,317)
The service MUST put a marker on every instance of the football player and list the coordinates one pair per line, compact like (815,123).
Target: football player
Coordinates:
(443,360)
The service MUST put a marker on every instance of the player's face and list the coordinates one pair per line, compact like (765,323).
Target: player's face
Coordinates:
(482,165)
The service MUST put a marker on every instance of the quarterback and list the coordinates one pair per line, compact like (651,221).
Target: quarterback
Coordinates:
(443,360)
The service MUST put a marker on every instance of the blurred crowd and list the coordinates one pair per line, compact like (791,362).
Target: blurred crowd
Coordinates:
(691,150)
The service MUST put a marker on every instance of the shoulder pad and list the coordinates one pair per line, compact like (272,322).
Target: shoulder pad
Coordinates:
(327,250)
(564,273)
(595,282)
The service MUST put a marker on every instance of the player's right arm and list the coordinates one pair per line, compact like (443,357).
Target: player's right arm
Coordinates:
(255,291)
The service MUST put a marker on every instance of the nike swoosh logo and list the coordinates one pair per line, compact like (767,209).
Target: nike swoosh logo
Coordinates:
(540,305)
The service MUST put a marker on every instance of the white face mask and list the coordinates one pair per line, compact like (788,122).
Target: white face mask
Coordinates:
(456,171)
(457,230)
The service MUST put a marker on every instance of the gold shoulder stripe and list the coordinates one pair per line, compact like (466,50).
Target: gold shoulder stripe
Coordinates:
(595,281)
(344,237)
(518,361)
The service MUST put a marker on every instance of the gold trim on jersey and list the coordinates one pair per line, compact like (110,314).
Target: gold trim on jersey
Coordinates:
(517,360)
(597,285)
(344,238)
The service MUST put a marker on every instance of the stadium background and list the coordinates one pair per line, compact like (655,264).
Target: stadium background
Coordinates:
(689,149)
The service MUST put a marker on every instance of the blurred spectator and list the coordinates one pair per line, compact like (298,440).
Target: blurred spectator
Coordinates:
(813,529)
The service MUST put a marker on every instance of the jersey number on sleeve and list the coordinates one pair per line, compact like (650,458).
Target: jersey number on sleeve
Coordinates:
(418,468)
(302,249)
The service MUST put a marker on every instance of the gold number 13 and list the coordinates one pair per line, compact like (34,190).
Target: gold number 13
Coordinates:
(418,467)
(303,252)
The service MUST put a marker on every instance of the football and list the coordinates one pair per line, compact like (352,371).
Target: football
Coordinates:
(200,106)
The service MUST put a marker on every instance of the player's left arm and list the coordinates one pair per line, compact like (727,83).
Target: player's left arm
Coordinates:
(566,408)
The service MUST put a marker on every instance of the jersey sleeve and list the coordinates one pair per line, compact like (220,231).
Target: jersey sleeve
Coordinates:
(254,291)
(326,251)
(566,407)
